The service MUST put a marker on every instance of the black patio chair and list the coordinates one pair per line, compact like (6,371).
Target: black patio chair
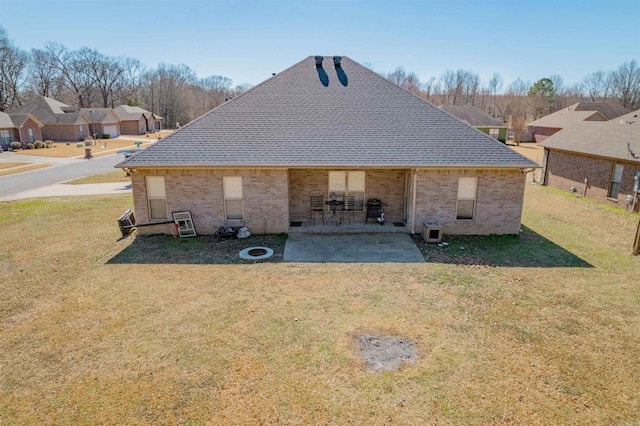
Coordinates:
(317,206)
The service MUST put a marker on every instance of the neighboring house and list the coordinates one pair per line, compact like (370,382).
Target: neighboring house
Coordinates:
(546,126)
(102,121)
(22,128)
(479,119)
(328,125)
(134,120)
(595,159)
(155,123)
(60,122)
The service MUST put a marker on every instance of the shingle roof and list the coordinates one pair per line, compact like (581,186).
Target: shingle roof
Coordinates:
(604,139)
(580,111)
(472,115)
(49,111)
(608,109)
(307,116)
(100,115)
(6,122)
(128,113)
(20,119)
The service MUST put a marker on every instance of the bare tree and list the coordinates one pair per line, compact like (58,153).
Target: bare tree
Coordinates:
(597,86)
(625,82)
(407,80)
(459,87)
(13,63)
(45,79)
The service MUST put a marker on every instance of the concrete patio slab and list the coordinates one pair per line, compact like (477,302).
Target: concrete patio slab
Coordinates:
(352,248)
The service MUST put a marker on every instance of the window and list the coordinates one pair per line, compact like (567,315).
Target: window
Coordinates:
(5,136)
(614,188)
(348,183)
(232,189)
(467,189)
(494,133)
(31,135)
(157,198)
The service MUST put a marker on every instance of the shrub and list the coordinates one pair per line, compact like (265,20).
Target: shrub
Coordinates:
(30,146)
(39,144)
(49,144)
(16,145)
(106,136)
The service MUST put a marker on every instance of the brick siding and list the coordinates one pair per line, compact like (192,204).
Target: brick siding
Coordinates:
(274,197)
(387,185)
(265,198)
(498,204)
(24,133)
(564,170)
(65,133)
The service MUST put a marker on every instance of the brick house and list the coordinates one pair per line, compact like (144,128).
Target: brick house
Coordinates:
(102,121)
(598,160)
(22,128)
(328,125)
(479,119)
(60,122)
(548,125)
(135,120)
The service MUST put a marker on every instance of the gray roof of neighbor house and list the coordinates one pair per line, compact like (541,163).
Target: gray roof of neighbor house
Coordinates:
(580,111)
(49,111)
(472,115)
(603,139)
(128,113)
(20,119)
(6,122)
(100,115)
(345,116)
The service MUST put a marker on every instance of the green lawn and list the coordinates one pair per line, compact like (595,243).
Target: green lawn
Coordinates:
(543,328)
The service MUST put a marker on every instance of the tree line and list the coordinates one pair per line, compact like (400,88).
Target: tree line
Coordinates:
(522,101)
(87,78)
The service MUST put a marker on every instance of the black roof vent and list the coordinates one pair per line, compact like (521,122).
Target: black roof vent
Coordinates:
(336,61)
(319,61)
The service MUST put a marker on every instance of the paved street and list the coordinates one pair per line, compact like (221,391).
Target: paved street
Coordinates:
(63,169)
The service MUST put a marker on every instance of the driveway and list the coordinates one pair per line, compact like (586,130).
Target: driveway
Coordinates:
(352,248)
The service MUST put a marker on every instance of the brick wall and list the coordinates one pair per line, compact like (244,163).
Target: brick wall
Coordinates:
(65,133)
(274,197)
(564,170)
(265,194)
(387,185)
(498,204)
(24,135)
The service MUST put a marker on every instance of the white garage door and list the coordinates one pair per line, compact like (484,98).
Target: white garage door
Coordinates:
(112,130)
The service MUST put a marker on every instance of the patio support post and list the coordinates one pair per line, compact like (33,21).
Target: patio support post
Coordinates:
(413,200)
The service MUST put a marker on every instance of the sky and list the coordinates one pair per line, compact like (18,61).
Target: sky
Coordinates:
(248,40)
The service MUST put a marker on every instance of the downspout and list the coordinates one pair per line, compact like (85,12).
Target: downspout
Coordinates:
(413,201)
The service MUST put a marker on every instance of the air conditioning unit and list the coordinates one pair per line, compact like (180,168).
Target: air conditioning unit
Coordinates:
(432,231)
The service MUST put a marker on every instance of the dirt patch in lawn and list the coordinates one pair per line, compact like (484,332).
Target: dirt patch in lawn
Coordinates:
(385,352)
